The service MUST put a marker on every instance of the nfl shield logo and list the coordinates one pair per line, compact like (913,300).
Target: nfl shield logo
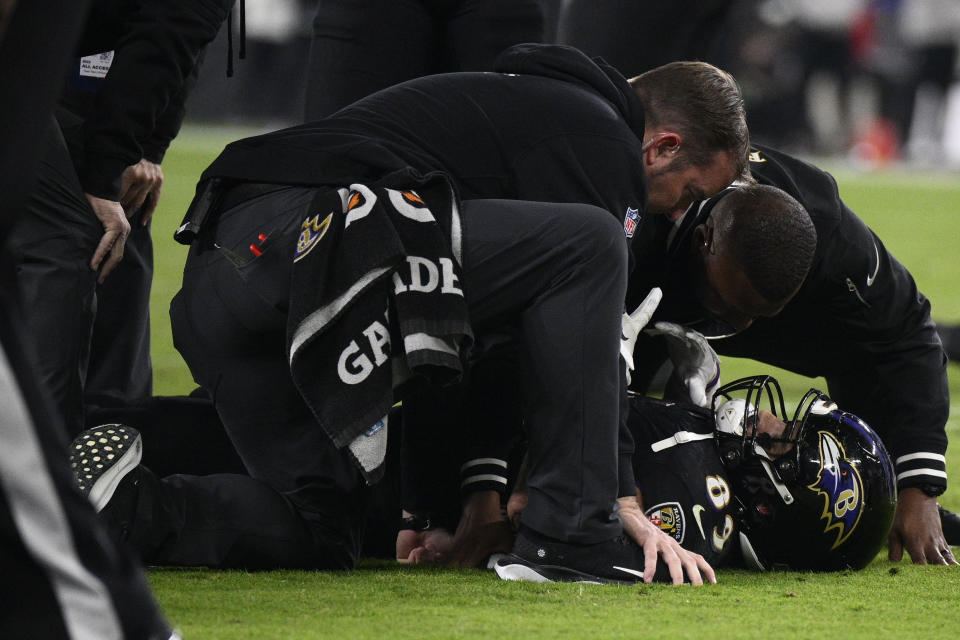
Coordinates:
(630,222)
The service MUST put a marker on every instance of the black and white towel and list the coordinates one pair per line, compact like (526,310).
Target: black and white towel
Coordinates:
(375,296)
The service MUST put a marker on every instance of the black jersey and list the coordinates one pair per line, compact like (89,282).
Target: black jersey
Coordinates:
(858,320)
(551,125)
(683,483)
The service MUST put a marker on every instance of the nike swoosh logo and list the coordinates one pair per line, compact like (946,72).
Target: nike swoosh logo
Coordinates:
(697,510)
(870,279)
(632,572)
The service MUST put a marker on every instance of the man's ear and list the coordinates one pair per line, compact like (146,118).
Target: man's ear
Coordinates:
(703,239)
(661,148)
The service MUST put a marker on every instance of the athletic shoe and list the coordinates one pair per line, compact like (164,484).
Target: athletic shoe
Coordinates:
(102,457)
(537,558)
(951,526)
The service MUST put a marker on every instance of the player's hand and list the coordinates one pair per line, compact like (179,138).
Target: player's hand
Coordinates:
(633,324)
(109,250)
(657,544)
(916,528)
(694,360)
(140,188)
(482,531)
(515,506)
(423,547)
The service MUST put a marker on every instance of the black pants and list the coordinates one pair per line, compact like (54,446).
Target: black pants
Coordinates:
(638,36)
(85,337)
(557,271)
(362,46)
(62,577)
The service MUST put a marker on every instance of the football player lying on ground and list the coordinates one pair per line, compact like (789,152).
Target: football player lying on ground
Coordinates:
(859,321)
(813,493)
(745,487)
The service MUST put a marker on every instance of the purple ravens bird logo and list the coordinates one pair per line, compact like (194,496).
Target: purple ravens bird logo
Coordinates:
(841,487)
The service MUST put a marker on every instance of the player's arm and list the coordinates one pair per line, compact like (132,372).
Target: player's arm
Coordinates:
(896,380)
(153,58)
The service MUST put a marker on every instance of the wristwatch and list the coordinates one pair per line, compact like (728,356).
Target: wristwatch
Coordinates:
(415,523)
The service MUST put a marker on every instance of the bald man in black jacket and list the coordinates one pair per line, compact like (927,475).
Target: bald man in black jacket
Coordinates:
(858,320)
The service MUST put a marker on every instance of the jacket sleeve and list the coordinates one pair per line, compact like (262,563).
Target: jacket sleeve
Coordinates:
(168,122)
(152,60)
(891,370)
(861,322)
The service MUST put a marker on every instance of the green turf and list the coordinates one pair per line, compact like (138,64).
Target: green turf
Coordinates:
(918,218)
(883,601)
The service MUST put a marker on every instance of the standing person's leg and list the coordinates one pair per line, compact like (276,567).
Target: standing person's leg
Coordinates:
(52,244)
(120,370)
(638,36)
(64,578)
(61,576)
(562,267)
(479,30)
(358,48)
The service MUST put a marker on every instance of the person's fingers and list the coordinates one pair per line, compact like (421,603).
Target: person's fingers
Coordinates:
(895,547)
(674,565)
(696,391)
(671,557)
(694,565)
(649,561)
(642,314)
(692,569)
(113,258)
(669,329)
(917,553)
(108,253)
(416,555)
(938,552)
(705,569)
(948,558)
(103,248)
(149,206)
(135,198)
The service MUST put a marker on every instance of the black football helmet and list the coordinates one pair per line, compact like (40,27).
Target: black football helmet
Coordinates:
(826,504)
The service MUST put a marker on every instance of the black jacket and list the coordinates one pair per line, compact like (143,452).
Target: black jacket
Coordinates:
(858,320)
(137,109)
(565,129)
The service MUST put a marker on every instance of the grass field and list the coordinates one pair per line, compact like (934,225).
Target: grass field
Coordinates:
(918,217)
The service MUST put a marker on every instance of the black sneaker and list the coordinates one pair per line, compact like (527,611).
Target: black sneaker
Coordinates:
(537,558)
(951,526)
(101,457)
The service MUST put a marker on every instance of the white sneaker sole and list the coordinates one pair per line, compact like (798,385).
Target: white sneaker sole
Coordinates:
(128,456)
(523,573)
(518,573)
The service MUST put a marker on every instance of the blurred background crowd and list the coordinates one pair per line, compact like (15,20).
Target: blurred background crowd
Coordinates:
(873,79)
